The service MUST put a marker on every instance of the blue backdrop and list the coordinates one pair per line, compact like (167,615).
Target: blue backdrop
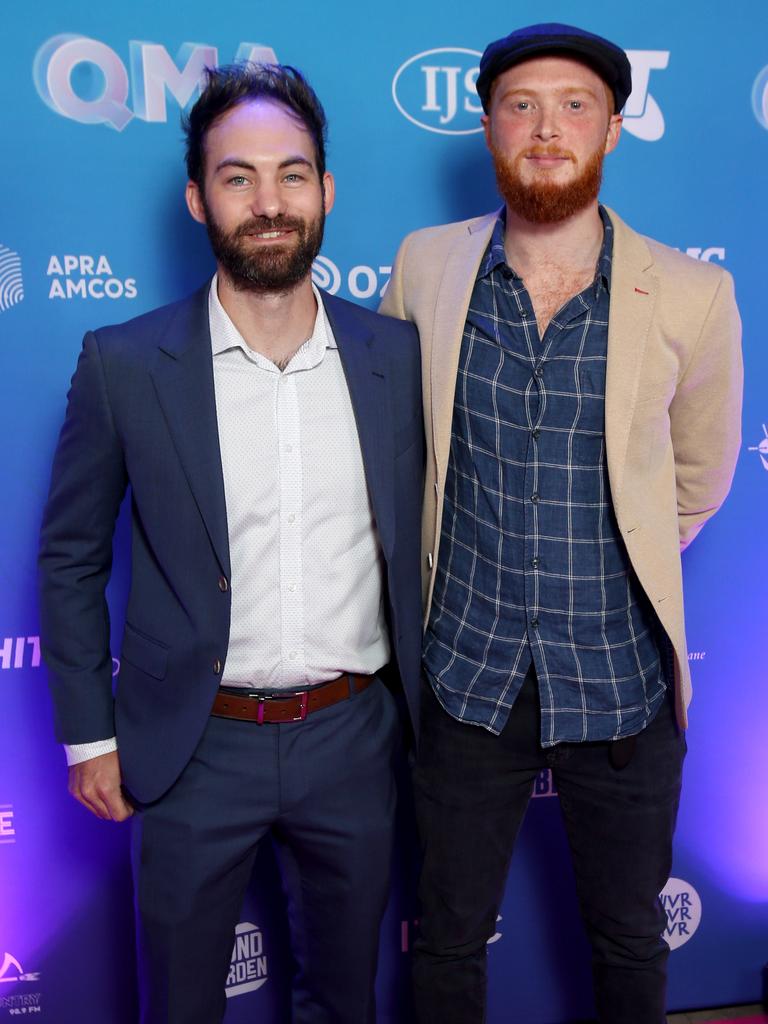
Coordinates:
(94,230)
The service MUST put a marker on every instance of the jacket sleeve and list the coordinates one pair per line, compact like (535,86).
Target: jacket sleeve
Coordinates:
(88,482)
(705,415)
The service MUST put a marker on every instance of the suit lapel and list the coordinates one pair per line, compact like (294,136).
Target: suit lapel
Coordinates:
(367,380)
(455,291)
(634,291)
(183,378)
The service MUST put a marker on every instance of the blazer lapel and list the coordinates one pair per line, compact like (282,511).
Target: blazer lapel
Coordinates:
(634,292)
(367,380)
(183,378)
(454,293)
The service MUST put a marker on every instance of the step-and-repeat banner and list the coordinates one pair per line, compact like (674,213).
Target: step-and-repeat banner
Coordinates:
(94,230)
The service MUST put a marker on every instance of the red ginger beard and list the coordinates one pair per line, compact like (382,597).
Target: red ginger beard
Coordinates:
(542,201)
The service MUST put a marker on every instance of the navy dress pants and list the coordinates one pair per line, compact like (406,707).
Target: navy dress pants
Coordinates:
(472,790)
(324,789)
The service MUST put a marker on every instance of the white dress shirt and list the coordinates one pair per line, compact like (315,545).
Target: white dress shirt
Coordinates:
(306,566)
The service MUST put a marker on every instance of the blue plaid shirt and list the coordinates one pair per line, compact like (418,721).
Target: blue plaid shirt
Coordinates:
(532,565)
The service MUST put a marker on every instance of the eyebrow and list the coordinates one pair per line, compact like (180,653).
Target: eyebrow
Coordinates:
(291,161)
(565,89)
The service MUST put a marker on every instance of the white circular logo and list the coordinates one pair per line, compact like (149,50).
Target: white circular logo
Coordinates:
(326,274)
(683,908)
(436,90)
(760,97)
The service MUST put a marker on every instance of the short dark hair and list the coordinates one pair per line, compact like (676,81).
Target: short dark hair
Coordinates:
(232,84)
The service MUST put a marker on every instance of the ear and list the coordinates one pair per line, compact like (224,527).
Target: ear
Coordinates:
(485,121)
(614,131)
(195,201)
(329,191)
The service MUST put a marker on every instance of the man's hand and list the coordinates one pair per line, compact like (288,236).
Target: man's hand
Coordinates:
(96,784)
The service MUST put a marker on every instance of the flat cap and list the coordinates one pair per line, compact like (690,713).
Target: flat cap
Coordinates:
(604,57)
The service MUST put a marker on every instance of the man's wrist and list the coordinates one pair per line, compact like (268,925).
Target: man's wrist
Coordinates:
(77,752)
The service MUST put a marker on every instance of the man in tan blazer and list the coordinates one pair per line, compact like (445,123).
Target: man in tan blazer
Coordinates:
(582,389)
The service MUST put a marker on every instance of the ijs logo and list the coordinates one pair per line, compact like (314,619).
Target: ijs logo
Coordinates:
(85,80)
(762,448)
(683,908)
(436,91)
(760,98)
(11,283)
(248,967)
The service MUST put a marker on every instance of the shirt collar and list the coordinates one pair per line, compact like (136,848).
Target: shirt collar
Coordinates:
(225,336)
(495,256)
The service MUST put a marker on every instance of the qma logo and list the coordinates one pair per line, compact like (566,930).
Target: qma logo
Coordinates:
(544,784)
(20,652)
(87,277)
(762,448)
(11,970)
(436,90)
(760,97)
(362,282)
(7,828)
(682,905)
(11,283)
(85,80)
(248,966)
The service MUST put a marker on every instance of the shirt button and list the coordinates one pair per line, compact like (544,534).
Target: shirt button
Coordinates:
(289,447)
(535,497)
(217,667)
(535,433)
(291,518)
(292,656)
(535,623)
(534,563)
(292,588)
(539,371)
(223,585)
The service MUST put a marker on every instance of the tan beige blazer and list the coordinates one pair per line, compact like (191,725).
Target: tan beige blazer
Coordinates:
(672,402)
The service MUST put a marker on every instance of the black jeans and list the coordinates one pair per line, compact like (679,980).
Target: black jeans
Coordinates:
(472,789)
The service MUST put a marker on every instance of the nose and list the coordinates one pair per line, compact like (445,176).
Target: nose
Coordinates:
(547,125)
(267,201)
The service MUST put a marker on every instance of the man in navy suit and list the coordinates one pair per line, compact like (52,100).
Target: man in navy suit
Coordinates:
(272,441)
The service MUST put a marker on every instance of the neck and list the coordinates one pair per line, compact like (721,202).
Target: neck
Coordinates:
(573,243)
(274,324)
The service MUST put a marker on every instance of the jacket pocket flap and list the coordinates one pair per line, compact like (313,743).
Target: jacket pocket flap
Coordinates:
(151,656)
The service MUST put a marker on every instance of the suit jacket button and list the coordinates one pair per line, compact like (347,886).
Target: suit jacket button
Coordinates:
(223,585)
(217,667)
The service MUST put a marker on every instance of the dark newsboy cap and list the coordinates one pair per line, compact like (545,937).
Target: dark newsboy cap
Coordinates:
(605,58)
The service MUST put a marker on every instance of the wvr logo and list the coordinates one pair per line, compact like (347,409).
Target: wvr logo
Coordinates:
(85,80)
(435,90)
(760,97)
(11,283)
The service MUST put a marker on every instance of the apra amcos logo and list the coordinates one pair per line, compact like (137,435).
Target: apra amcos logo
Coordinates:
(11,283)
(85,80)
(436,90)
(86,277)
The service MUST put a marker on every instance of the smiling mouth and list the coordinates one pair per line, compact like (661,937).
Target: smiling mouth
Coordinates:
(270,234)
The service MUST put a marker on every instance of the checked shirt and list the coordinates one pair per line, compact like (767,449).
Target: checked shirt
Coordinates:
(531,565)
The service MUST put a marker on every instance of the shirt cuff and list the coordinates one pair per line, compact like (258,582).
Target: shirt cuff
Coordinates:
(78,752)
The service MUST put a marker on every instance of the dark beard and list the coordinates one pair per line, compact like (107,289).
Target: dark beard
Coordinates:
(278,268)
(545,202)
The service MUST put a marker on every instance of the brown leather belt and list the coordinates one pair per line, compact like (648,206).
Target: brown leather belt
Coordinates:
(293,707)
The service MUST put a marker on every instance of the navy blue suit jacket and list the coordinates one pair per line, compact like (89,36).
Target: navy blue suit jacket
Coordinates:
(142,412)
